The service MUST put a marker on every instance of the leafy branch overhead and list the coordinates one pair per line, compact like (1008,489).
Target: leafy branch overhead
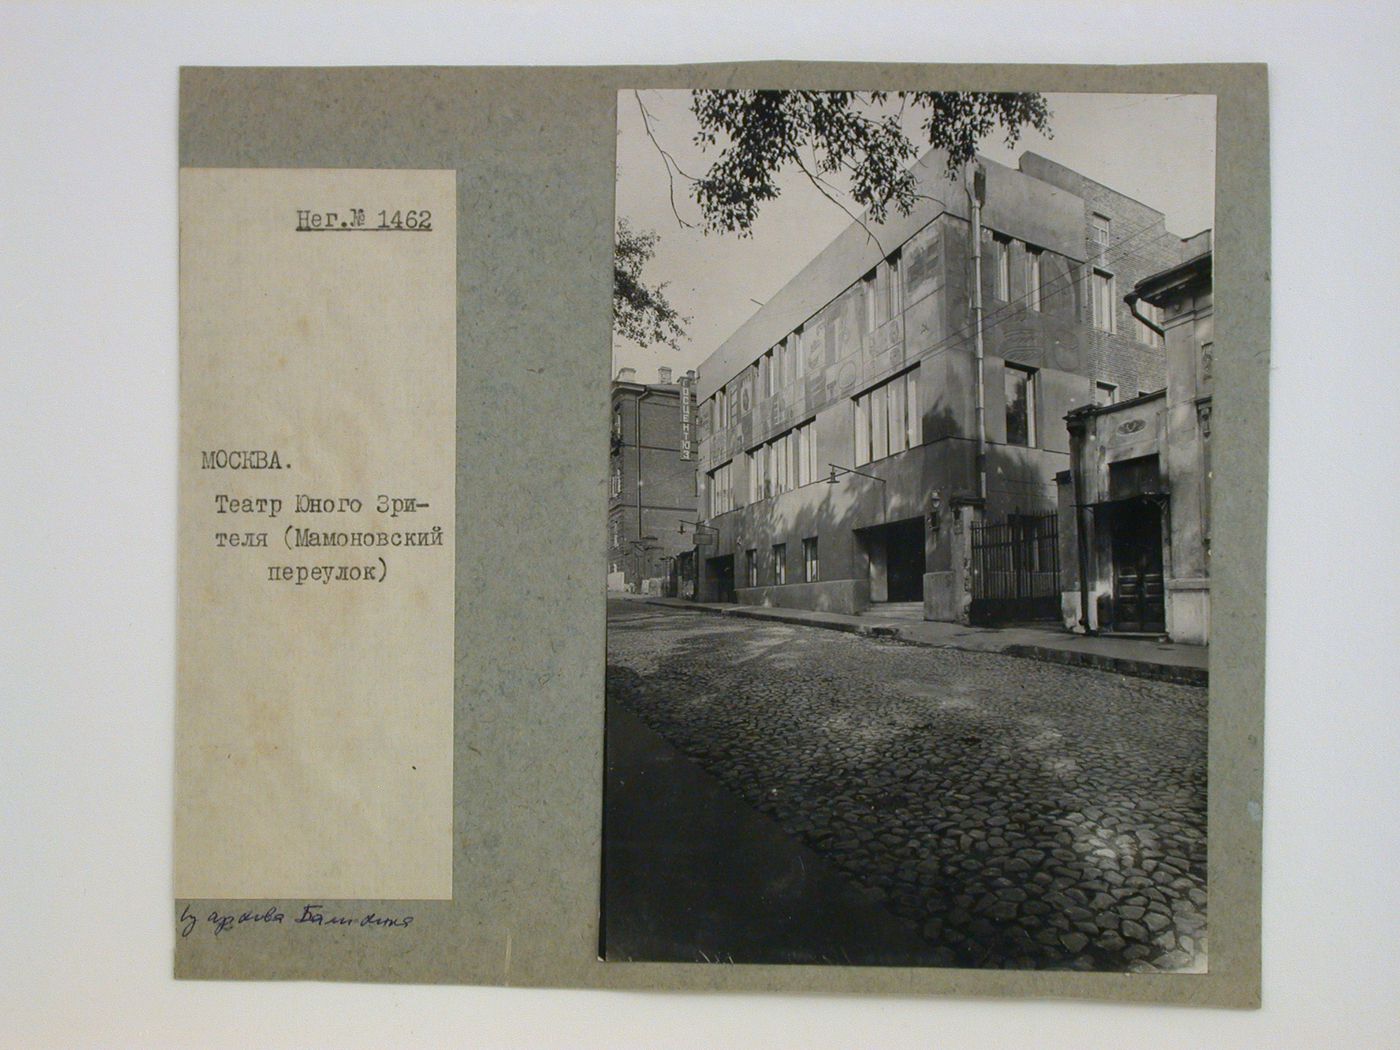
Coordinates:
(858,135)
(641,312)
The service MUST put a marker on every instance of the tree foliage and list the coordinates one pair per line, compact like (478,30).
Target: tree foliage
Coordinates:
(641,312)
(858,135)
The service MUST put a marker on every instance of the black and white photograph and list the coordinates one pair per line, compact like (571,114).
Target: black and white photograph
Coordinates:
(909,530)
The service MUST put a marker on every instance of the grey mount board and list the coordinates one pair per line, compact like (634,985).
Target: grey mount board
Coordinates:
(533,149)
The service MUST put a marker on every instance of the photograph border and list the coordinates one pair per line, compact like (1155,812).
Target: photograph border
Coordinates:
(530,887)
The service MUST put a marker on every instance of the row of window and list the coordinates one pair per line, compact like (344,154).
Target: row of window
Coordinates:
(811,564)
(722,489)
(785,363)
(882,298)
(780,366)
(786,462)
(887,422)
(1001,270)
(882,293)
(888,418)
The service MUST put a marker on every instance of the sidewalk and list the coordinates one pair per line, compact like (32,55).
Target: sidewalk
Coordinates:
(1140,657)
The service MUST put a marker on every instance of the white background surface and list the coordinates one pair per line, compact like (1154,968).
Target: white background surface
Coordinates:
(88,415)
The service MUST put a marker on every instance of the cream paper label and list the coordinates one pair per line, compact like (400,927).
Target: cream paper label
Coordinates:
(316,555)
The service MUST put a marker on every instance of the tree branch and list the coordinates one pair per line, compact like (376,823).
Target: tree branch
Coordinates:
(667,160)
(822,190)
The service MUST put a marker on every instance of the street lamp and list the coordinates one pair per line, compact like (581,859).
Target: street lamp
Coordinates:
(837,471)
(696,526)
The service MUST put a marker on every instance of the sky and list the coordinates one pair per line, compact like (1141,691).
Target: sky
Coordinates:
(1158,149)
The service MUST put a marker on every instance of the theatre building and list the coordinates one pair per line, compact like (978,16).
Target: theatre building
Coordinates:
(1135,503)
(843,459)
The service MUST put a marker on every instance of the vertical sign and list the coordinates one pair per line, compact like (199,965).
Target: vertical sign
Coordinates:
(687,415)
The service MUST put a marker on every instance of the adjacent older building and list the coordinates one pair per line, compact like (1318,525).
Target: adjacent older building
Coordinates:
(1135,504)
(651,479)
(880,432)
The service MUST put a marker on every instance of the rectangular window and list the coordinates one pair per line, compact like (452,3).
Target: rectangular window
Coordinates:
(1100,227)
(780,563)
(1020,406)
(721,489)
(1103,301)
(751,568)
(617,424)
(1105,394)
(862,416)
(617,480)
(1001,267)
(810,566)
(879,422)
(755,464)
(1141,332)
(893,298)
(798,365)
(1034,274)
(806,454)
(913,419)
(868,298)
(887,418)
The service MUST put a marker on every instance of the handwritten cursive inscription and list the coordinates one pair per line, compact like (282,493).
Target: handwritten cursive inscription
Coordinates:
(310,915)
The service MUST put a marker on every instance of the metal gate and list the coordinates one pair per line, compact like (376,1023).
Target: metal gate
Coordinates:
(1016,569)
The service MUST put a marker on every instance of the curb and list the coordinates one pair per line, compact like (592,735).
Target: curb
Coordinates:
(1115,664)
(1045,654)
(757,613)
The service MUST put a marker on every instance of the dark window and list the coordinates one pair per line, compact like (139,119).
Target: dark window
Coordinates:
(810,565)
(1133,477)
(780,563)
(1020,406)
(751,568)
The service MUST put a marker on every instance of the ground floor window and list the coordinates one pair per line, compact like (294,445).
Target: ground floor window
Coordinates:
(780,563)
(751,568)
(810,565)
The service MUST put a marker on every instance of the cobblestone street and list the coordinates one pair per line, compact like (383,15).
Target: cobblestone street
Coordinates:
(1012,813)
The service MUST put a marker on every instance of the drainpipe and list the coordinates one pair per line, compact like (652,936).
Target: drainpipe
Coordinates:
(1076,458)
(1132,299)
(976,186)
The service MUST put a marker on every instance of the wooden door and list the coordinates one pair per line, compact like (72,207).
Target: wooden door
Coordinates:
(1139,592)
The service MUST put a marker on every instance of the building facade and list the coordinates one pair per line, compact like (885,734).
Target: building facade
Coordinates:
(1134,507)
(841,460)
(652,487)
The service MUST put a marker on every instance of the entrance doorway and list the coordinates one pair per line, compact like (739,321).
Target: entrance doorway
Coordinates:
(896,557)
(1139,596)
(721,570)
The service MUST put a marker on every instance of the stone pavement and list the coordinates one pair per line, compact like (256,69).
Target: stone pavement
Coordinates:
(1141,657)
(1012,813)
